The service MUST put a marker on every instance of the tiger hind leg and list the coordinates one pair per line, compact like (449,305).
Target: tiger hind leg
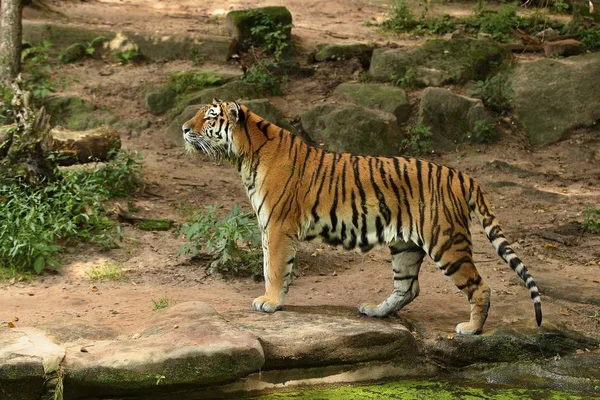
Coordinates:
(406,263)
(460,268)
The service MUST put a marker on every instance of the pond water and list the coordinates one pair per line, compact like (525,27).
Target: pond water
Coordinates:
(422,390)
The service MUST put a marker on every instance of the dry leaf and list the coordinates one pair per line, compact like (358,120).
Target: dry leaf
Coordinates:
(11,325)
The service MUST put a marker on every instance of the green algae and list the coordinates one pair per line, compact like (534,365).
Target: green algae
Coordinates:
(420,390)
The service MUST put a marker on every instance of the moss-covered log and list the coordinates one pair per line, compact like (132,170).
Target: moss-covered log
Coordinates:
(79,147)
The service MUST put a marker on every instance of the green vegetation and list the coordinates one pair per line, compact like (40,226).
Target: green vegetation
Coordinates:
(131,55)
(408,80)
(590,37)
(496,92)
(260,74)
(483,132)
(191,81)
(591,219)
(418,141)
(39,221)
(108,271)
(272,35)
(232,242)
(77,51)
(596,316)
(161,303)
(35,66)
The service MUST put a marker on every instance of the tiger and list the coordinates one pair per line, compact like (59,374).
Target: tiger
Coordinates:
(300,192)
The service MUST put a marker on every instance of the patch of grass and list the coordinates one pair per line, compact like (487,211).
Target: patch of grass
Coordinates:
(401,18)
(260,74)
(496,92)
(112,271)
(419,140)
(232,242)
(191,81)
(38,221)
(161,303)
(591,219)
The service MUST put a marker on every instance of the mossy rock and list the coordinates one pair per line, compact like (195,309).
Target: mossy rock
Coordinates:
(160,100)
(454,119)
(192,81)
(240,23)
(73,113)
(552,96)
(353,129)
(440,62)
(266,110)
(390,99)
(73,53)
(155,225)
(340,52)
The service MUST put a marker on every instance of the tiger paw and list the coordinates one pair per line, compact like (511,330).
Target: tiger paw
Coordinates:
(263,304)
(467,328)
(372,310)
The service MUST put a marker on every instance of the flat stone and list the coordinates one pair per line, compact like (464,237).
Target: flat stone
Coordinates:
(27,355)
(563,48)
(386,98)
(187,345)
(293,339)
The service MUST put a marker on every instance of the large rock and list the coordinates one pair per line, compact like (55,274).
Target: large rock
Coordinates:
(71,112)
(439,62)
(240,23)
(27,358)
(350,128)
(390,99)
(297,339)
(186,345)
(453,119)
(234,90)
(340,52)
(159,100)
(554,96)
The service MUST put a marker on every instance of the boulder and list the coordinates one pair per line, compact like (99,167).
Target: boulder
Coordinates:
(454,119)
(553,96)
(72,53)
(188,344)
(159,100)
(340,52)
(439,62)
(71,112)
(234,90)
(297,339)
(390,99)
(27,358)
(265,109)
(563,48)
(354,129)
(240,23)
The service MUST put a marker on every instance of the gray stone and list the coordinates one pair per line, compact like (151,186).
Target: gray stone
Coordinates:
(159,100)
(188,344)
(71,112)
(350,128)
(340,52)
(439,62)
(27,357)
(452,118)
(563,48)
(239,23)
(390,99)
(553,97)
(265,109)
(300,339)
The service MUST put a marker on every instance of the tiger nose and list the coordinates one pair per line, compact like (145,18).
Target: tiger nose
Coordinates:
(186,130)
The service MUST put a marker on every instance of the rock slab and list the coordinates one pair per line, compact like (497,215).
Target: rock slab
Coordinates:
(386,98)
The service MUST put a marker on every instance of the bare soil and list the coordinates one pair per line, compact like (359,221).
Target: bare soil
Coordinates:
(543,193)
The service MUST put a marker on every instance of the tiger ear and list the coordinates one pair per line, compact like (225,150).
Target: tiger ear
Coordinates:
(236,113)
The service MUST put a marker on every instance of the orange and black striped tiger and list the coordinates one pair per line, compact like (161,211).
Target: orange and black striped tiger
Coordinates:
(301,192)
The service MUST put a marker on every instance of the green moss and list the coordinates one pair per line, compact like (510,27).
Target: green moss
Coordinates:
(419,390)
(155,225)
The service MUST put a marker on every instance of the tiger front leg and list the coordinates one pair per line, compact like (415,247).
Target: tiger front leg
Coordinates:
(278,259)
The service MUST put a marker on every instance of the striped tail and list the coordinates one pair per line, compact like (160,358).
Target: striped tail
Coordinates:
(481,207)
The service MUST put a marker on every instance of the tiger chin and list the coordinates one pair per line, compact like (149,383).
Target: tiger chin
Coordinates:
(301,192)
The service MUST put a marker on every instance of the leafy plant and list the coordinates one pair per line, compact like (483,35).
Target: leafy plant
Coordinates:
(159,304)
(189,81)
(127,56)
(419,140)
(108,271)
(232,242)
(408,80)
(560,6)
(35,65)
(483,132)
(496,92)
(591,219)
(39,221)
(401,19)
(273,35)
(590,37)
(260,74)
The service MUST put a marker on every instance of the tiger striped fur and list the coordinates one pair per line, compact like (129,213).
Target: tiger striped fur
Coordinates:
(301,192)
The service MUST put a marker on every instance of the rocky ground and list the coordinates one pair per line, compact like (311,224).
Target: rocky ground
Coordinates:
(104,336)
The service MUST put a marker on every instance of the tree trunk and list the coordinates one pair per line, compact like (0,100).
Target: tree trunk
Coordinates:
(10,42)
(78,147)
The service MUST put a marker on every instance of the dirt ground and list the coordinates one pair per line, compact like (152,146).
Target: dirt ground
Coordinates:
(538,194)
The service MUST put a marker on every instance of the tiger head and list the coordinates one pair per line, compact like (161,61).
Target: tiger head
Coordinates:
(213,128)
